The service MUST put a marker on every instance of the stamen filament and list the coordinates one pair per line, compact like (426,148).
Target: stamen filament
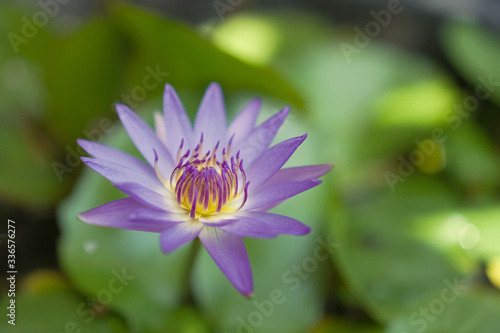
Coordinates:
(205,186)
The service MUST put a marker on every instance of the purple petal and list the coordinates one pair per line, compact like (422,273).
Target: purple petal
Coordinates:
(211,117)
(145,140)
(116,214)
(147,196)
(265,225)
(177,123)
(269,195)
(269,162)
(229,253)
(118,173)
(107,153)
(248,227)
(244,122)
(155,215)
(261,137)
(300,173)
(179,234)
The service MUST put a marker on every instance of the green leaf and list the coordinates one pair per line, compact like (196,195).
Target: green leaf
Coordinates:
(472,159)
(338,325)
(474,53)
(269,37)
(22,37)
(190,61)
(344,101)
(476,311)
(84,78)
(386,267)
(26,175)
(405,114)
(481,241)
(381,262)
(57,308)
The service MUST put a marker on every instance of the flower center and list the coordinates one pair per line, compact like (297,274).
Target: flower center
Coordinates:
(205,186)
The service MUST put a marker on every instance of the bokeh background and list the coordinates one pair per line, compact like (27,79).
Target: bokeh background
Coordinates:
(403,96)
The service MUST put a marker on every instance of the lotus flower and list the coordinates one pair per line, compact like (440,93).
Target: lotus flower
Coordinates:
(212,181)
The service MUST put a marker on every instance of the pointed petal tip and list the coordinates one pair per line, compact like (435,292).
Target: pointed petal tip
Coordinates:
(86,160)
(85,144)
(170,92)
(165,250)
(301,138)
(214,85)
(123,110)
(82,142)
(121,107)
(211,116)
(80,217)
(229,253)
(306,230)
(327,168)
(168,87)
(213,88)
(284,113)
(257,101)
(298,139)
(249,296)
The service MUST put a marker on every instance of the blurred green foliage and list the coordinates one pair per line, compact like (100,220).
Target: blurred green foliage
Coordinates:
(409,215)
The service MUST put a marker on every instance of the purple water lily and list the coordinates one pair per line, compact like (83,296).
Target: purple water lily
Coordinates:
(212,181)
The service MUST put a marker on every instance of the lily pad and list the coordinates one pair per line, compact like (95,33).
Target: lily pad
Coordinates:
(472,312)
(68,311)
(189,62)
(474,53)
